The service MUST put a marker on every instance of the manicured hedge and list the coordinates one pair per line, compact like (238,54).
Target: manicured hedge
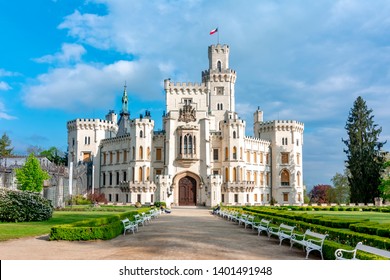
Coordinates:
(99,228)
(23,206)
(338,237)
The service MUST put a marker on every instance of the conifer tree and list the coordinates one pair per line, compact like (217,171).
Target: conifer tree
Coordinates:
(5,146)
(364,156)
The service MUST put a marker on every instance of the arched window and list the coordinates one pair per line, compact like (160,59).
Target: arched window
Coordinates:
(219,66)
(133,153)
(189,144)
(181,145)
(234,135)
(227,174)
(285,178)
(234,153)
(147,173)
(185,144)
(141,152)
(140,179)
(226,153)
(140,134)
(234,175)
(299,178)
(148,153)
(194,149)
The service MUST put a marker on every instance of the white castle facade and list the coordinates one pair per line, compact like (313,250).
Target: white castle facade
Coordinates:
(201,157)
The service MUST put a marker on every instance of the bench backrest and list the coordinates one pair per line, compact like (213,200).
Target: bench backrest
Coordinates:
(383,253)
(286,228)
(126,221)
(318,236)
(265,222)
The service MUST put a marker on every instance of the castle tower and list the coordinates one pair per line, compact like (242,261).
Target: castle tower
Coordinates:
(286,137)
(124,120)
(220,81)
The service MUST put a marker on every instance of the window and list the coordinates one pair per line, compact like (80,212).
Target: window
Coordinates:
(247,197)
(110,174)
(104,179)
(297,142)
(255,197)
(86,157)
(141,152)
(110,197)
(248,156)
(117,156)
(226,174)
(268,178)
(284,141)
(234,135)
(285,178)
(147,173)
(139,198)
(267,196)
(140,133)
(262,197)
(261,179)
(226,153)
(158,171)
(111,156)
(285,157)
(261,157)
(187,101)
(87,140)
(215,172)
(222,198)
(298,179)
(148,153)
(255,177)
(234,153)
(215,154)
(248,176)
(73,141)
(158,154)
(255,157)
(298,159)
(124,176)
(116,197)
(127,198)
(140,179)
(187,144)
(285,197)
(133,153)
(266,158)
(219,66)
(117,178)
(124,156)
(234,175)
(299,197)
(236,198)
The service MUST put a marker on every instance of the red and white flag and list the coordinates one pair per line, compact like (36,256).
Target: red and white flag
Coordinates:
(214,31)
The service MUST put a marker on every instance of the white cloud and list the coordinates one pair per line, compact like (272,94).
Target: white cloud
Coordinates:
(91,86)
(69,53)
(4,86)
(3,114)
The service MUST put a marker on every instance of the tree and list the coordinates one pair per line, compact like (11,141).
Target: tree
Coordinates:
(30,177)
(384,186)
(55,155)
(5,146)
(364,156)
(321,194)
(341,187)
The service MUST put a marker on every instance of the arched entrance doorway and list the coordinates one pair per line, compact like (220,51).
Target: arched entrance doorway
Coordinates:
(187,191)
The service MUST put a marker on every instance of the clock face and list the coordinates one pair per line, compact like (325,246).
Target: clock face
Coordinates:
(220,90)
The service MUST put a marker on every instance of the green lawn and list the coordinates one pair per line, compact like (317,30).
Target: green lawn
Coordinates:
(372,216)
(25,229)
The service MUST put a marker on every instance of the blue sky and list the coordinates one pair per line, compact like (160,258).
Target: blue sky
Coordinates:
(303,60)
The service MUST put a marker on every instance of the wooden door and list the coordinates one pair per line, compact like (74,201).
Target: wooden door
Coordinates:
(187,191)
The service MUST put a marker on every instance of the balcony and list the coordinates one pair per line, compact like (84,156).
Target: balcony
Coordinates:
(186,160)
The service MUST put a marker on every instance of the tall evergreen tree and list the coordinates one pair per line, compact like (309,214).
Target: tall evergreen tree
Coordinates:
(364,156)
(5,146)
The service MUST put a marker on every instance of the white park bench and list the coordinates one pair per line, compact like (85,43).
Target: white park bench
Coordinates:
(250,221)
(263,225)
(241,219)
(311,241)
(283,232)
(342,254)
(129,225)
(139,220)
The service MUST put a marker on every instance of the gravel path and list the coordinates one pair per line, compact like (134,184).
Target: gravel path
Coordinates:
(185,234)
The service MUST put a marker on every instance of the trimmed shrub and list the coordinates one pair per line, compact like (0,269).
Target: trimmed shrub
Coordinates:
(100,228)
(23,206)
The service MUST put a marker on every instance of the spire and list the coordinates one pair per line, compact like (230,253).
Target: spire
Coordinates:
(125,100)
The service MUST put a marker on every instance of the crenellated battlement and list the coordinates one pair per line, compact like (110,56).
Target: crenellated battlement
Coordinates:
(281,125)
(219,48)
(91,124)
(184,88)
(257,140)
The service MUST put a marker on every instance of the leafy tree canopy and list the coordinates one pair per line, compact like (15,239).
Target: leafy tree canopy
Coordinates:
(30,177)
(320,194)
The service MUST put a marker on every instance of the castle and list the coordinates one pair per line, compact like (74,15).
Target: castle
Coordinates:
(201,157)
